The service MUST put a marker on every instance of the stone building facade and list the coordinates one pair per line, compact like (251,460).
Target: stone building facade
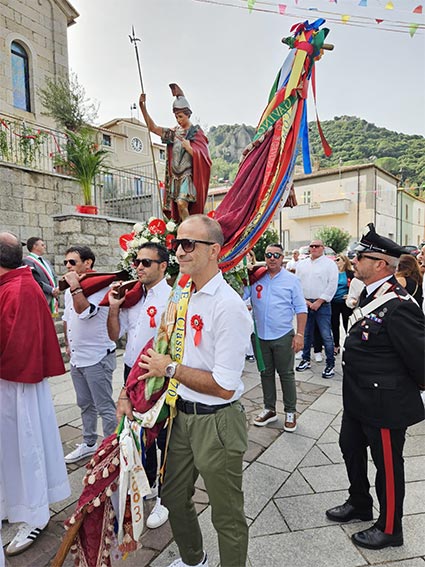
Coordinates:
(33,42)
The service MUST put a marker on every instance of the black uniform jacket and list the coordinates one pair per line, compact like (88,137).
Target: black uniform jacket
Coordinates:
(384,363)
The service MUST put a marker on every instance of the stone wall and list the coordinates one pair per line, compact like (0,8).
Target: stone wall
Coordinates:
(28,201)
(42,204)
(99,232)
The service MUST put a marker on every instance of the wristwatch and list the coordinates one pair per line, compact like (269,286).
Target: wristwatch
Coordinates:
(170,370)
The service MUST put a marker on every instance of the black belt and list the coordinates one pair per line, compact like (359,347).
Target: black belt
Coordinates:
(110,351)
(198,408)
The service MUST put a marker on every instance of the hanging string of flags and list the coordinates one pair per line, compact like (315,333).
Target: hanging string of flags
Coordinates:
(393,14)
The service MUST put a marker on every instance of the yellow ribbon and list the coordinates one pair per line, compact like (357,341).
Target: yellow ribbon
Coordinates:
(182,306)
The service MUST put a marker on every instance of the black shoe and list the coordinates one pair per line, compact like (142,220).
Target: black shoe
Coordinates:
(347,512)
(303,365)
(375,539)
(328,371)
(250,358)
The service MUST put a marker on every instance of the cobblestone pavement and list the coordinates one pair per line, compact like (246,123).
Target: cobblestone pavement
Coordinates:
(290,480)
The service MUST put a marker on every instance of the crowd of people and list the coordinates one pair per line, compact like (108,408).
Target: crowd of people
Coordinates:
(377,298)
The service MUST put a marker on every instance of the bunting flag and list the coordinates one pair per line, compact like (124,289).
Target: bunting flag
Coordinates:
(363,3)
(345,18)
(282,9)
(264,178)
(418,9)
(389,6)
(412,29)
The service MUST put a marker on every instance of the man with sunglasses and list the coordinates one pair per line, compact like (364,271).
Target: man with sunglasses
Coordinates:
(140,323)
(275,298)
(91,352)
(383,365)
(319,280)
(209,435)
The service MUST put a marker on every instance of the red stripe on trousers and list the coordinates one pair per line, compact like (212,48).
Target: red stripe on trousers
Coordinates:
(389,480)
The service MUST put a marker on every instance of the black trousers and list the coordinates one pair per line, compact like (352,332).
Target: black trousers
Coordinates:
(339,309)
(386,447)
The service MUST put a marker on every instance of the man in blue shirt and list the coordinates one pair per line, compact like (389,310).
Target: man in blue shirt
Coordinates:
(275,298)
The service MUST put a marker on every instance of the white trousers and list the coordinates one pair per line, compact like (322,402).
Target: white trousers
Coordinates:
(32,468)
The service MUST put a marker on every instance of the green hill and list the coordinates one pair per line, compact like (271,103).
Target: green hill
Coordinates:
(352,139)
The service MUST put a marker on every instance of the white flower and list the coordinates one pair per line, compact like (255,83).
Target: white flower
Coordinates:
(155,239)
(138,227)
(142,240)
(171,226)
(151,219)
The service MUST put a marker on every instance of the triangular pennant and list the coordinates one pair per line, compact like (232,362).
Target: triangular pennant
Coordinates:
(251,5)
(418,9)
(389,6)
(363,3)
(345,18)
(282,9)
(378,21)
(296,2)
(412,29)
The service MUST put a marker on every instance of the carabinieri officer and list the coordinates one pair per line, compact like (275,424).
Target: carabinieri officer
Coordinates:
(383,366)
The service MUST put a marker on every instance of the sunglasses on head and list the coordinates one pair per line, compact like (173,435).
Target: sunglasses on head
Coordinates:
(70,261)
(275,255)
(188,244)
(360,255)
(315,245)
(146,262)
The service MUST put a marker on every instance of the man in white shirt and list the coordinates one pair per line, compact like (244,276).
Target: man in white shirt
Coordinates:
(291,266)
(140,322)
(319,280)
(91,351)
(209,435)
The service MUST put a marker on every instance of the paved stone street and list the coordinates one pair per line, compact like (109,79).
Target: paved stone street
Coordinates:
(290,480)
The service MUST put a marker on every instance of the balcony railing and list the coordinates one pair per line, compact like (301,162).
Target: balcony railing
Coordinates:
(30,145)
(320,209)
(120,193)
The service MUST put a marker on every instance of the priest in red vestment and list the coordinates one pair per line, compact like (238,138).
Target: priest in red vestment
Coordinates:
(32,469)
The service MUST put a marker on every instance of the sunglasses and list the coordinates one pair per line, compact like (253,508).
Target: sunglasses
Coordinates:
(275,255)
(188,244)
(146,262)
(360,255)
(315,245)
(70,261)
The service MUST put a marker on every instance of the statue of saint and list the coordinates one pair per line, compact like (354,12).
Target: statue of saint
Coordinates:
(188,163)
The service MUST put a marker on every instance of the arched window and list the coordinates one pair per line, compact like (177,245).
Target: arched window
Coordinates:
(20,77)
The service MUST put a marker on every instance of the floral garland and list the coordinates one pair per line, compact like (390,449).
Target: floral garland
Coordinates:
(157,230)
(153,230)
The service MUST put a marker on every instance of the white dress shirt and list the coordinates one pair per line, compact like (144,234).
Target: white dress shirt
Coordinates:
(319,278)
(87,332)
(135,320)
(225,336)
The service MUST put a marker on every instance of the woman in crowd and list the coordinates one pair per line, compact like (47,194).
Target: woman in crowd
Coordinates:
(339,308)
(410,277)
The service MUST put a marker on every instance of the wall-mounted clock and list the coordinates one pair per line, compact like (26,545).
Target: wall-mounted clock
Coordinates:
(136,144)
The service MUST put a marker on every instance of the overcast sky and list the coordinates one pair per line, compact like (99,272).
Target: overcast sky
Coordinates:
(225,59)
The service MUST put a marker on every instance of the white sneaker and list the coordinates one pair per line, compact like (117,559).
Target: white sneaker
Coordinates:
(318,357)
(82,450)
(153,493)
(180,563)
(25,537)
(158,516)
(299,355)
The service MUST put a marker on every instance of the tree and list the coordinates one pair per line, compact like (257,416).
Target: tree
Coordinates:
(334,237)
(270,236)
(64,99)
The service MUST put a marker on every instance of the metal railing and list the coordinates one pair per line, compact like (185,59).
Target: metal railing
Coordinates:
(130,193)
(127,193)
(30,145)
